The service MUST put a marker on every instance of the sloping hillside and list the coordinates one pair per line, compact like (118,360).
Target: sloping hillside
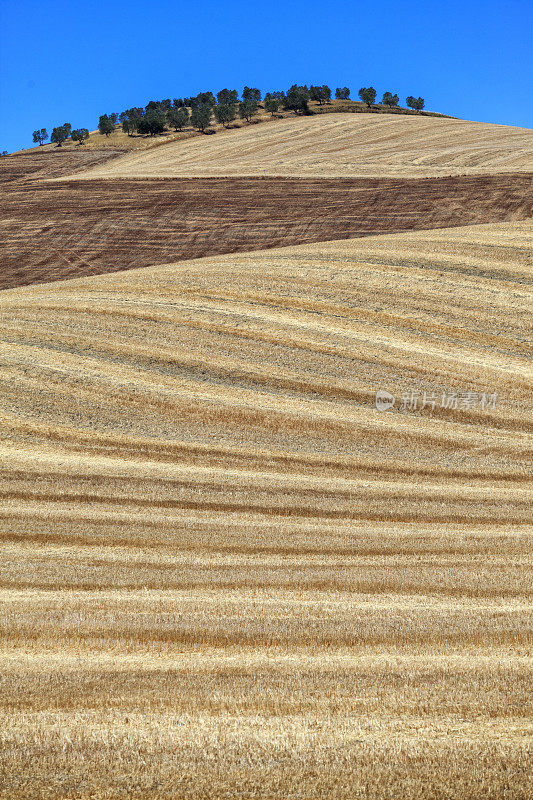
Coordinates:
(120,140)
(215,543)
(338,145)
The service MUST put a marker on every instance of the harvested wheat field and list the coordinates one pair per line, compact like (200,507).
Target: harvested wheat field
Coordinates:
(225,573)
(337,146)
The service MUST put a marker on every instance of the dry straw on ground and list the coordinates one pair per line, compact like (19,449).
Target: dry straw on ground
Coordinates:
(338,146)
(224,572)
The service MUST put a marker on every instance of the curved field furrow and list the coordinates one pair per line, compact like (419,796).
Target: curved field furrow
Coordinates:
(283,352)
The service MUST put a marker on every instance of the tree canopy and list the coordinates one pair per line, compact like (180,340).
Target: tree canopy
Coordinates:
(59,135)
(129,126)
(178,118)
(247,109)
(249,93)
(130,120)
(105,126)
(390,99)
(79,135)
(201,116)
(153,122)
(320,93)
(40,136)
(271,105)
(368,95)
(297,99)
(342,93)
(415,102)
(206,98)
(225,113)
(227,96)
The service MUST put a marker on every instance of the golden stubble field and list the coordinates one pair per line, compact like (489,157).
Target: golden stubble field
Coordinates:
(224,572)
(340,145)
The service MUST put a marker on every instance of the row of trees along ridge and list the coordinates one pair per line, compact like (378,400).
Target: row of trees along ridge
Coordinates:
(198,111)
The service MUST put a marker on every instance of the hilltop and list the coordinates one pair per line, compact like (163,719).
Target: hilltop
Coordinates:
(118,139)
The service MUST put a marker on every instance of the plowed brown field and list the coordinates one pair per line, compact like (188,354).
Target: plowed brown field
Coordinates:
(50,231)
(225,573)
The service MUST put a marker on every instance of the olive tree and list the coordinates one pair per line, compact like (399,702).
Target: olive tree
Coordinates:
(368,95)
(247,109)
(79,135)
(129,126)
(297,99)
(342,93)
(59,135)
(249,93)
(272,105)
(40,135)
(206,98)
(105,126)
(390,100)
(153,122)
(225,113)
(320,93)
(227,97)
(417,103)
(201,116)
(178,117)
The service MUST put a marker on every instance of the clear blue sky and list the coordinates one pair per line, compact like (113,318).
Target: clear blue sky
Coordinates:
(72,61)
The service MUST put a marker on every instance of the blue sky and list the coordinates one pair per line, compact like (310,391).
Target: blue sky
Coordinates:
(70,62)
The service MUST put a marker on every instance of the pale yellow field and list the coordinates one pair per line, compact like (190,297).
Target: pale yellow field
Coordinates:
(224,572)
(338,145)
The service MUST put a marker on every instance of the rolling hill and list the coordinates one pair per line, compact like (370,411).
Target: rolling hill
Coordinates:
(225,572)
(338,145)
(120,140)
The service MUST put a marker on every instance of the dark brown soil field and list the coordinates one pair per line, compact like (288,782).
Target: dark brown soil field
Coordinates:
(56,230)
